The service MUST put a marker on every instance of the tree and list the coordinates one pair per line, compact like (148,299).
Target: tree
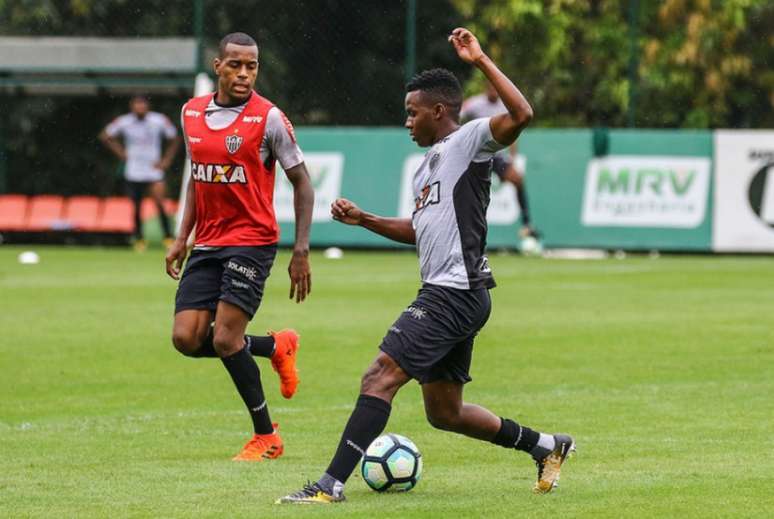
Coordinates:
(702,63)
(705,63)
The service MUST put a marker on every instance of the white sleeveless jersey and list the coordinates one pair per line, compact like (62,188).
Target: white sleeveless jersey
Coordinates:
(451,196)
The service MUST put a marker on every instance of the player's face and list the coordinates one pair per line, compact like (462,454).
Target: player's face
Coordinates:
(237,70)
(421,118)
(139,107)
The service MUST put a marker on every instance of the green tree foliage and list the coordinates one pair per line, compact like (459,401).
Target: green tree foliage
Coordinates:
(702,63)
(709,63)
(324,62)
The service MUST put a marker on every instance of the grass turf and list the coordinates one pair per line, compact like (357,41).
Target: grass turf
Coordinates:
(662,369)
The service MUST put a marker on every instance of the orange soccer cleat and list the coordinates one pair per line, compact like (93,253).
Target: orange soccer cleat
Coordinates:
(261,447)
(284,360)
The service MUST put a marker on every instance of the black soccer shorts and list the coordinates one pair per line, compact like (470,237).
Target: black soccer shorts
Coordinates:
(235,275)
(433,338)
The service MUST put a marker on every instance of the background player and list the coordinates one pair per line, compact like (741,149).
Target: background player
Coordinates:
(143,132)
(506,163)
(233,138)
(432,341)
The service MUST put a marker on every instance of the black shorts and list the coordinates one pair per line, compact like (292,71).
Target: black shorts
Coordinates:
(137,190)
(433,338)
(235,275)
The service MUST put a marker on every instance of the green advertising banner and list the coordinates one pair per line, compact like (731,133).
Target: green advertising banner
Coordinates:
(652,190)
(370,162)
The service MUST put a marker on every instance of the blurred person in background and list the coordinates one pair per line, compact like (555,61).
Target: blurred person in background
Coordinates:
(137,140)
(507,164)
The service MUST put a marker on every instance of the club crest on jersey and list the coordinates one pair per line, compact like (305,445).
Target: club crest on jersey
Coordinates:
(233,142)
(218,173)
(434,161)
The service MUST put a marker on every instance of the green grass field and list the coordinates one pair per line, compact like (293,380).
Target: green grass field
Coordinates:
(663,369)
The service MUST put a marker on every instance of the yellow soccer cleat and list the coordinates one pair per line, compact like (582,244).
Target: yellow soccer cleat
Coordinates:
(311,494)
(550,465)
(140,246)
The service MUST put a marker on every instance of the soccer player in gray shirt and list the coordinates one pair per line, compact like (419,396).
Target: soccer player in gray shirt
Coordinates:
(432,340)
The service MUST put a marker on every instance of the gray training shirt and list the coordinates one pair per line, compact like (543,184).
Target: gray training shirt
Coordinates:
(451,195)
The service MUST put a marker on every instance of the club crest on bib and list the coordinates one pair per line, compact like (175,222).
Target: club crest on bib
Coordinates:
(233,142)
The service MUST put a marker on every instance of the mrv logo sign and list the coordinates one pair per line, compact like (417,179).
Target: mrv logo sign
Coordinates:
(641,191)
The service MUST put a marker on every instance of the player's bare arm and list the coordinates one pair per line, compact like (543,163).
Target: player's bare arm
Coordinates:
(179,249)
(113,145)
(506,127)
(397,229)
(303,203)
(173,145)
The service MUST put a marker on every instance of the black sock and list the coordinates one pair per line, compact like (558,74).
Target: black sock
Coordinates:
(260,345)
(164,220)
(247,379)
(206,349)
(137,217)
(521,197)
(365,423)
(515,436)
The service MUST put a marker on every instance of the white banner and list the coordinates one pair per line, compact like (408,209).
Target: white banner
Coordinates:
(325,171)
(646,191)
(503,207)
(744,191)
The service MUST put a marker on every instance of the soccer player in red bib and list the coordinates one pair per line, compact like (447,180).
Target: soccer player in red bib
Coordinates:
(234,138)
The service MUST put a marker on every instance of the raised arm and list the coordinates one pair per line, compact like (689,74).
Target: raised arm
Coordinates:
(303,203)
(505,127)
(396,229)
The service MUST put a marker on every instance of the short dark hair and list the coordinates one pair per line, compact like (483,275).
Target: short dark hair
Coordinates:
(441,85)
(237,38)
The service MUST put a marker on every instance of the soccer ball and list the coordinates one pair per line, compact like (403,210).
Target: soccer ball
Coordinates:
(530,246)
(392,462)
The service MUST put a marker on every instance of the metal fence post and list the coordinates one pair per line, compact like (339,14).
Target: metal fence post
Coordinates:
(411,39)
(199,34)
(634,61)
